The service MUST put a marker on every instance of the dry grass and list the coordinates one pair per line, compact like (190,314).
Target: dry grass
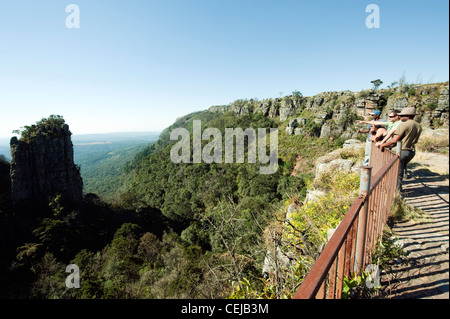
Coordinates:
(433,144)
(401,211)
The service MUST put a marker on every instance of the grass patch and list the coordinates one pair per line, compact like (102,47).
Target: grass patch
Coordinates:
(401,211)
(433,144)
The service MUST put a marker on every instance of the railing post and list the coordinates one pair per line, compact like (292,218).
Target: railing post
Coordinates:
(364,188)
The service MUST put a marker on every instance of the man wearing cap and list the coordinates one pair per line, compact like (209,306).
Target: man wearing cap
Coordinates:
(391,125)
(408,131)
(375,117)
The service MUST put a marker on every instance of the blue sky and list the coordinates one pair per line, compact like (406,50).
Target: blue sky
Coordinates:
(138,65)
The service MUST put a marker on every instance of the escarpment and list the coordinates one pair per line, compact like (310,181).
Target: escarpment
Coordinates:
(333,113)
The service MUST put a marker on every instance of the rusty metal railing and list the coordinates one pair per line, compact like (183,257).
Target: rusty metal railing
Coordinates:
(350,248)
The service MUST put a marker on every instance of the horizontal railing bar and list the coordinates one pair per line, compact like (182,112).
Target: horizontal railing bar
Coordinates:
(319,271)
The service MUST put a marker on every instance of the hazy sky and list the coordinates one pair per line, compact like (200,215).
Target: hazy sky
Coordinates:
(138,65)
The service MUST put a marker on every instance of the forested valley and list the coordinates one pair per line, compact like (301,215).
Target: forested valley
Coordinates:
(187,230)
(174,230)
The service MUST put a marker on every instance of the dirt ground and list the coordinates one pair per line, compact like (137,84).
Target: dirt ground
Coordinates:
(437,163)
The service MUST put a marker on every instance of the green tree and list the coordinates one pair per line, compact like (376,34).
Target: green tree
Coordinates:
(56,205)
(376,83)
(29,252)
(297,93)
(56,235)
(126,240)
(46,126)
(149,247)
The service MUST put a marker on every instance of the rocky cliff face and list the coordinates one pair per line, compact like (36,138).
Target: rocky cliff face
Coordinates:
(43,166)
(333,111)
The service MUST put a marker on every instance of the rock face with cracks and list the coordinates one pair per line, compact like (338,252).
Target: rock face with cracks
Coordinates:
(334,112)
(43,167)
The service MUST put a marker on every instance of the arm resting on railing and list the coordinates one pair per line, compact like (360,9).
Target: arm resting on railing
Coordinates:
(393,140)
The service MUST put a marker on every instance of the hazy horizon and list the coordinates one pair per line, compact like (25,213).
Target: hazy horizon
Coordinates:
(5,138)
(88,139)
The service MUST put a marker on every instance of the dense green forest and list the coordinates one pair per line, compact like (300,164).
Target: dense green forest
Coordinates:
(175,230)
(102,170)
(104,157)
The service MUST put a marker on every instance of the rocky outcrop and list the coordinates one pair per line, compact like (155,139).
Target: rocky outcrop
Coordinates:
(335,112)
(42,167)
(348,158)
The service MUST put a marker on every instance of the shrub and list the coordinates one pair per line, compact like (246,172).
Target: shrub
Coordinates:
(338,182)
(307,228)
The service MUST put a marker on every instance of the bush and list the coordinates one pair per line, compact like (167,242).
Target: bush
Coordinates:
(340,183)
(309,225)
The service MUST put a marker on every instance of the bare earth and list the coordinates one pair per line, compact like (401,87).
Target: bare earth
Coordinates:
(426,275)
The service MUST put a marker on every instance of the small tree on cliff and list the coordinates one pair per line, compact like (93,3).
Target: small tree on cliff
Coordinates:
(297,93)
(376,83)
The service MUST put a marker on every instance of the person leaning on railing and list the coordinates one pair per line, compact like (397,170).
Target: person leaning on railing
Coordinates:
(378,133)
(391,126)
(408,132)
(375,118)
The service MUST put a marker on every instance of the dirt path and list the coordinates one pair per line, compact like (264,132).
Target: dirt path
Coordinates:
(426,275)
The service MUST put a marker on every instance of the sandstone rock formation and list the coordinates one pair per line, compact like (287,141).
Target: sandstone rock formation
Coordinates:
(334,111)
(42,167)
